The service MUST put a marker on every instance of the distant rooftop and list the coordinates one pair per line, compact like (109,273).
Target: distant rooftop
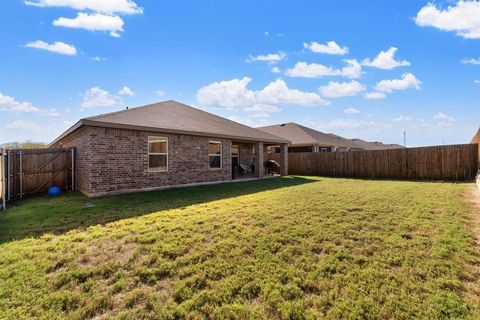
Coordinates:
(366,145)
(304,136)
(301,135)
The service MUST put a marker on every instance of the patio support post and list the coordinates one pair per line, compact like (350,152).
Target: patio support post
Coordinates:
(284,159)
(259,160)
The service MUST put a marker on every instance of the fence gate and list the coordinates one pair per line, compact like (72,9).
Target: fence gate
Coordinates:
(30,172)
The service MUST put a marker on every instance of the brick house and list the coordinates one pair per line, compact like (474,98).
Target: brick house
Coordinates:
(164,145)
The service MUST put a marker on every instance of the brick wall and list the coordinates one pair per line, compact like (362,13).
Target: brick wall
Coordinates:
(116,160)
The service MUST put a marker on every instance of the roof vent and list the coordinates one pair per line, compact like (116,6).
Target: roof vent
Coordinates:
(126,108)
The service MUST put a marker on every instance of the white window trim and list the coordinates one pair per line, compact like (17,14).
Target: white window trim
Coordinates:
(216,155)
(160,139)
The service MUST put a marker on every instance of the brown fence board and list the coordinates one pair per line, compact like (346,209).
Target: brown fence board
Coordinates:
(444,163)
(2,179)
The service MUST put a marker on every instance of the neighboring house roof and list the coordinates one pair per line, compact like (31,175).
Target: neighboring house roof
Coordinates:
(301,135)
(375,145)
(347,142)
(174,117)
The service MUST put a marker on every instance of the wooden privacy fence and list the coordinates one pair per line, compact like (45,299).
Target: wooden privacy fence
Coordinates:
(30,172)
(445,163)
(3,200)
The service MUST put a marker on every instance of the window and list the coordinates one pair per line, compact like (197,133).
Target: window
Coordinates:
(215,154)
(157,154)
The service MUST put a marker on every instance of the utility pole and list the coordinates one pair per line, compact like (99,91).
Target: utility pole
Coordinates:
(405,138)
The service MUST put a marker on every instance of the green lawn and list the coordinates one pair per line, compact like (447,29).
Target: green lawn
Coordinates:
(291,248)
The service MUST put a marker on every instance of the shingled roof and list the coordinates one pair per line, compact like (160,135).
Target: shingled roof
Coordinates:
(174,117)
(366,145)
(304,136)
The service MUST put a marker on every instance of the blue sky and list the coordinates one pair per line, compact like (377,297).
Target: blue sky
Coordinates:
(317,63)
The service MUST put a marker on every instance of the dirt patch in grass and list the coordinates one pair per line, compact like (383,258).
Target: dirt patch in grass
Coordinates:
(472,196)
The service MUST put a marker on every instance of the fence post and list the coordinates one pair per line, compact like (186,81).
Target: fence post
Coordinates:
(73,169)
(21,174)
(9,178)
(2,178)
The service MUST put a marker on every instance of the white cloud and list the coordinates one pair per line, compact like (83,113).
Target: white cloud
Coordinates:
(102,6)
(276,70)
(336,89)
(352,70)
(160,93)
(462,18)
(57,47)
(313,70)
(316,70)
(96,97)
(266,33)
(261,110)
(330,48)
(445,124)
(270,58)
(346,124)
(408,81)
(278,93)
(97,58)
(93,22)
(385,60)
(351,111)
(375,95)
(9,104)
(126,91)
(402,118)
(472,60)
(443,116)
(49,112)
(23,125)
(476,81)
(229,94)
(234,94)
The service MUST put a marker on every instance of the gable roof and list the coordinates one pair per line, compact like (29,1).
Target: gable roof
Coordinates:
(174,117)
(301,135)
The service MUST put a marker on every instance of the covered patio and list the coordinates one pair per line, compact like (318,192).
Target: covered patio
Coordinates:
(249,160)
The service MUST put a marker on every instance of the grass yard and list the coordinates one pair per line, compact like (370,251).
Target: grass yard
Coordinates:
(291,248)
